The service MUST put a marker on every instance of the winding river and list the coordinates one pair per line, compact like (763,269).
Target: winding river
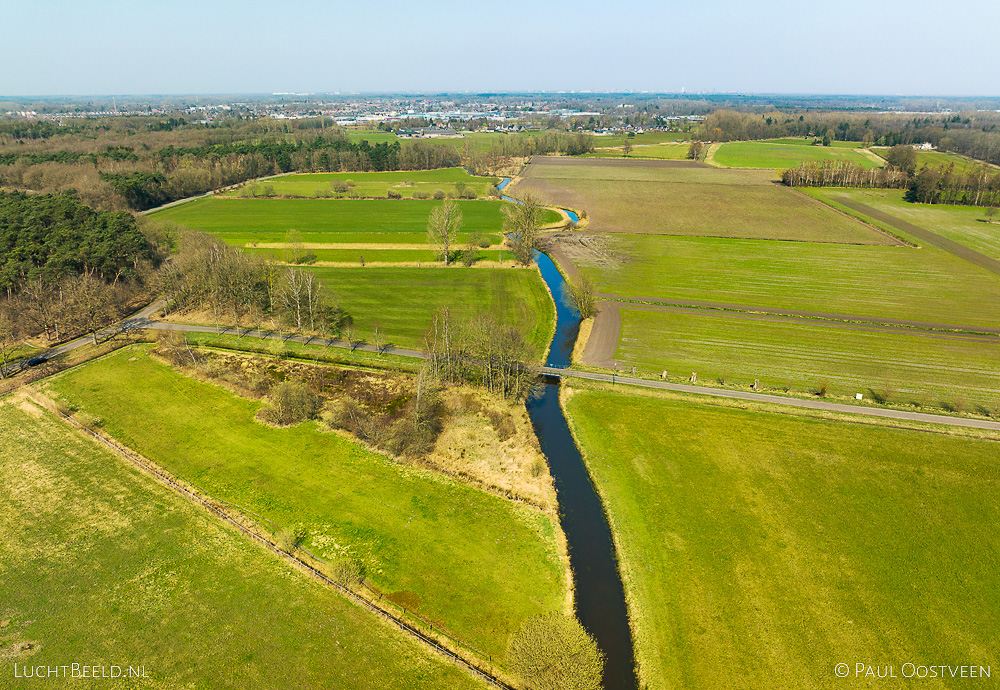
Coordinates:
(600,597)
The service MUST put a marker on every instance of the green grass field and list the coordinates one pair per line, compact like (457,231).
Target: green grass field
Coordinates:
(963,224)
(940,159)
(696,202)
(761,154)
(760,550)
(805,355)
(474,564)
(583,169)
(103,566)
(668,151)
(322,220)
(370,184)
(404,300)
(925,285)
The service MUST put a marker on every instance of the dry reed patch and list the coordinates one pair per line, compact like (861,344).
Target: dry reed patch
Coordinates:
(491,443)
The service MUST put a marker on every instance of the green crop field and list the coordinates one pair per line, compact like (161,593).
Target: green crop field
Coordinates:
(760,154)
(610,170)
(966,225)
(372,136)
(808,141)
(669,151)
(925,285)
(474,564)
(103,566)
(902,366)
(940,159)
(695,201)
(403,301)
(369,184)
(760,550)
(322,220)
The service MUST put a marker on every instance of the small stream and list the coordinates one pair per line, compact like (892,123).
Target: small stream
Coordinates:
(600,597)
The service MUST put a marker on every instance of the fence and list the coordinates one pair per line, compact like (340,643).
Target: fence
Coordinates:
(150,469)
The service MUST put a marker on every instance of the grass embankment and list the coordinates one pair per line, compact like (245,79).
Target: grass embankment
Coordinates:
(692,201)
(760,550)
(900,366)
(779,155)
(101,565)
(370,184)
(966,225)
(473,564)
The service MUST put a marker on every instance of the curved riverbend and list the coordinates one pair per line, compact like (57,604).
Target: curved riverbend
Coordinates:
(600,597)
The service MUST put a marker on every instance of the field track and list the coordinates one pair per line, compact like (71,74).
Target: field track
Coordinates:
(932,238)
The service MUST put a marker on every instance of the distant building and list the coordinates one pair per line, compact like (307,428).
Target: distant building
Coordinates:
(437,133)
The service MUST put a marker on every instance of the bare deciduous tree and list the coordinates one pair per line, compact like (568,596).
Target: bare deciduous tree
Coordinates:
(443,227)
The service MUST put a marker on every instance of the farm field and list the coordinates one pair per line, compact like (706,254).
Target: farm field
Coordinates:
(644,138)
(926,285)
(760,154)
(369,184)
(621,170)
(963,224)
(684,204)
(668,151)
(808,141)
(239,221)
(939,159)
(760,550)
(146,578)
(901,366)
(474,564)
(403,301)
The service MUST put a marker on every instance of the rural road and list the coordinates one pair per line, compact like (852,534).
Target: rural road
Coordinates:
(141,319)
(776,399)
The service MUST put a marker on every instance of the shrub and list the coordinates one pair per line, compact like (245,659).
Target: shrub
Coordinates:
(420,194)
(554,652)
(290,402)
(393,194)
(439,194)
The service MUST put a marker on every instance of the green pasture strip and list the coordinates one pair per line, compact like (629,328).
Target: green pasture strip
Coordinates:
(966,225)
(759,154)
(324,216)
(940,159)
(101,565)
(258,238)
(375,255)
(805,356)
(404,300)
(372,184)
(656,151)
(760,549)
(750,211)
(472,563)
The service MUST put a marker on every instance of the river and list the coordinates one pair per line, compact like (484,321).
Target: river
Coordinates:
(600,597)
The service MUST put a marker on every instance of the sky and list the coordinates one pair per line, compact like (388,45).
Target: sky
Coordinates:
(888,47)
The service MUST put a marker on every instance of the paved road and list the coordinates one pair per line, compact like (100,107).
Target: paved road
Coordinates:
(776,399)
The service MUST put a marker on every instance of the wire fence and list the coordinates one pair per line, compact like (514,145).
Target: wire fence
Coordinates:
(389,616)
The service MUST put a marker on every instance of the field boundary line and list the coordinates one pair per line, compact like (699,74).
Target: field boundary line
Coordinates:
(153,470)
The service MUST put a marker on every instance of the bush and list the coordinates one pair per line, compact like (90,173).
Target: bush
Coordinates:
(420,194)
(290,402)
(554,652)
(439,194)
(393,194)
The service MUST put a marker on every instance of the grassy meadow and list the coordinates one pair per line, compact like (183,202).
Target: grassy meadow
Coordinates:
(764,154)
(404,300)
(668,151)
(241,221)
(370,184)
(693,201)
(759,550)
(101,565)
(966,225)
(926,285)
(472,563)
(941,159)
(900,366)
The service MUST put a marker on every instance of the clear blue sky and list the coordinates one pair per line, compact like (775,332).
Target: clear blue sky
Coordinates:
(889,47)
